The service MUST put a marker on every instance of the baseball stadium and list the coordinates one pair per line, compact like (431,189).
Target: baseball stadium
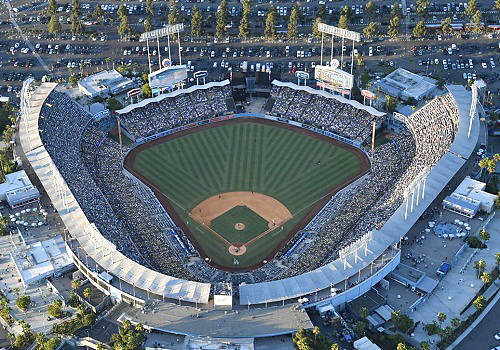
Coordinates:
(281,204)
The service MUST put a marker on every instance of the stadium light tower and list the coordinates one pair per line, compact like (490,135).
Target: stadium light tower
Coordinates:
(159,33)
(473,106)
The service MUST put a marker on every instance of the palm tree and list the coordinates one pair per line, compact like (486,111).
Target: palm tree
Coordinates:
(480,265)
(480,302)
(315,332)
(100,347)
(425,346)
(16,291)
(80,310)
(486,277)
(75,284)
(87,293)
(11,337)
(335,346)
(455,322)
(441,318)
(139,327)
(484,235)
(364,312)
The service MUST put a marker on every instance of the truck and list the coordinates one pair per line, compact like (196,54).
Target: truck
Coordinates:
(244,66)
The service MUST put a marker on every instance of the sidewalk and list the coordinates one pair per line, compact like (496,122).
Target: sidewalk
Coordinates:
(456,290)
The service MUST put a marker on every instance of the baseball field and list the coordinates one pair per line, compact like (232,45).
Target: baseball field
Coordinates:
(240,189)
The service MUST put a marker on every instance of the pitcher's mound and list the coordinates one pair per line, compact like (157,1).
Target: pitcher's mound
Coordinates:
(237,250)
(239,226)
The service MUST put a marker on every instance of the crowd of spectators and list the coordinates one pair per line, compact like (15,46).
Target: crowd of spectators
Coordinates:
(326,113)
(171,112)
(91,164)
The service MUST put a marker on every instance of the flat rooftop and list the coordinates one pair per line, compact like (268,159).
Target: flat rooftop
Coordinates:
(186,320)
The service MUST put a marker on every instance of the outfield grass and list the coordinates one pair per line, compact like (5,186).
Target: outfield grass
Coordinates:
(294,168)
(224,225)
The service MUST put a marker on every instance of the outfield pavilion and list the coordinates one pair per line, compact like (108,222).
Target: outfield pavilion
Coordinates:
(137,284)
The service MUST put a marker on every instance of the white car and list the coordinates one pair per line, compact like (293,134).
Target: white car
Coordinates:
(484,65)
(497,336)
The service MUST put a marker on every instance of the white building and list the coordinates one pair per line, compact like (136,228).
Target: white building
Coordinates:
(105,83)
(35,262)
(469,197)
(404,84)
(17,190)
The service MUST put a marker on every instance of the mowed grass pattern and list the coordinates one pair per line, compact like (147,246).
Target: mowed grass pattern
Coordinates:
(224,225)
(294,168)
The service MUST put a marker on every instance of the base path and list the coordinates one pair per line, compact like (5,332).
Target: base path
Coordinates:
(272,210)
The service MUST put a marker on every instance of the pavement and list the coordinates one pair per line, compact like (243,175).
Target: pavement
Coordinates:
(480,335)
(457,289)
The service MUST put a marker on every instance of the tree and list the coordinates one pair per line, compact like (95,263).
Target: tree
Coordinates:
(476,22)
(87,292)
(489,163)
(147,25)
(122,11)
(360,328)
(322,13)
(222,19)
(497,201)
(370,10)
(402,321)
(149,8)
(305,340)
(480,302)
(425,346)
(113,104)
(270,30)
(484,235)
(471,8)
(422,8)
(396,10)
(401,346)
(361,61)
(76,24)
(441,317)
(390,103)
(23,302)
(75,8)
(124,27)
(98,13)
(497,259)
(455,322)
(11,337)
(343,22)
(146,90)
(370,30)
(497,5)
(55,309)
(335,346)
(420,30)
(173,12)
(446,26)
(75,284)
(394,25)
(486,277)
(245,20)
(293,24)
(480,266)
(52,9)
(54,25)
(363,312)
(316,332)
(316,33)
(196,22)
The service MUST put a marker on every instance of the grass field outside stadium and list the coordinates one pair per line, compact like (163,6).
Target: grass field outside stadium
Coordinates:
(252,159)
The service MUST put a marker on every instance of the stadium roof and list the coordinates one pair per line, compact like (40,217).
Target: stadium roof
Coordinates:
(393,230)
(78,225)
(171,94)
(339,98)
(463,98)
